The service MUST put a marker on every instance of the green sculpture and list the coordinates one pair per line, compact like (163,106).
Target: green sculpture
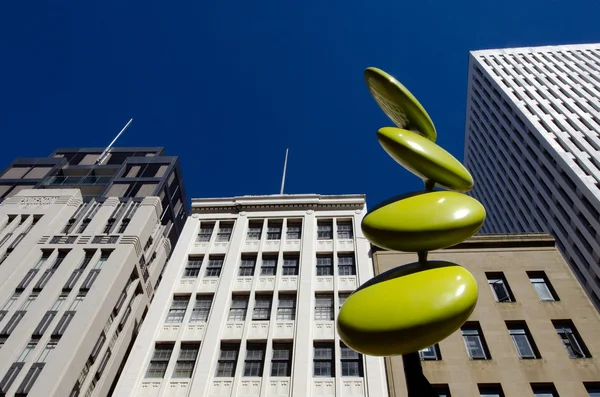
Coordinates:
(414,306)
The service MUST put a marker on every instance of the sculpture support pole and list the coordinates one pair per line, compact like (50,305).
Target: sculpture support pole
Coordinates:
(417,384)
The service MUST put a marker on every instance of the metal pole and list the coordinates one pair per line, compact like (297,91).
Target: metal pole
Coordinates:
(105,152)
(284,169)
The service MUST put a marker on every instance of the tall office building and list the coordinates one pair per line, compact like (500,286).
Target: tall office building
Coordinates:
(532,143)
(533,333)
(82,248)
(248,301)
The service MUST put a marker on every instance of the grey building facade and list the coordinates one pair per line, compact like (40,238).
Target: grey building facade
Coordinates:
(532,143)
(82,249)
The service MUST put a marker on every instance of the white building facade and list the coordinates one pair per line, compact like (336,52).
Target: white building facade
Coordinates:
(75,282)
(533,145)
(248,301)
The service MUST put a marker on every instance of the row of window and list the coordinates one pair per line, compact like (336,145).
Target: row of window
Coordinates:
(538,389)
(293,230)
(477,348)
(286,307)
(281,360)
(86,212)
(325,265)
(20,236)
(540,282)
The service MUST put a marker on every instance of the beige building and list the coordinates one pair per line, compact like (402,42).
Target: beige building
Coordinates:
(534,331)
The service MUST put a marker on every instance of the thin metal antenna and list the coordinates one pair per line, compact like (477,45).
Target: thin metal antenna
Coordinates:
(105,152)
(284,169)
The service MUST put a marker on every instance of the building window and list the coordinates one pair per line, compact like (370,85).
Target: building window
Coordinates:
(442,390)
(262,308)
(225,230)
(10,377)
(593,389)
(344,230)
(323,360)
(206,231)
(30,299)
(103,259)
(324,307)
(346,265)
(268,266)
(286,311)
(499,287)
(15,296)
(201,309)
(30,379)
(544,390)
(186,361)
(48,349)
(294,230)
(431,353)
(324,265)
(255,356)
(63,323)
(178,309)
(254,230)
(542,286)
(290,264)
(494,390)
(522,340)
(239,307)
(215,263)
(12,323)
(192,268)
(274,230)
(247,266)
(281,364)
(77,301)
(227,360)
(324,230)
(352,363)
(27,351)
(474,341)
(570,339)
(160,360)
(342,296)
(44,324)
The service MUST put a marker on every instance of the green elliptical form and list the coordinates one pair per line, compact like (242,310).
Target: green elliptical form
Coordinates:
(416,305)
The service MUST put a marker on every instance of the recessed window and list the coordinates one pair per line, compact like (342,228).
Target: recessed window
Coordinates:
(160,360)
(262,308)
(442,390)
(522,339)
(543,287)
(239,307)
(186,360)
(274,230)
(192,268)
(281,364)
(593,388)
(571,339)
(324,307)
(344,230)
(342,296)
(323,360)
(224,233)
(286,310)
(499,287)
(431,353)
(268,266)
(290,264)
(324,265)
(254,230)
(346,266)
(213,269)
(544,390)
(294,230)
(206,231)
(325,229)
(227,360)
(352,362)
(474,341)
(255,359)
(493,390)
(201,309)
(178,309)
(247,266)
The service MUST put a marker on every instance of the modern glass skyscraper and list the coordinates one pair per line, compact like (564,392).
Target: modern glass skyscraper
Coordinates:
(532,143)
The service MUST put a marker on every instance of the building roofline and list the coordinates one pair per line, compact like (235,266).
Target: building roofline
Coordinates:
(535,49)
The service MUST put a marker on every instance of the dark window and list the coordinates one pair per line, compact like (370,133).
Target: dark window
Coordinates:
(268,266)
(227,360)
(97,347)
(344,230)
(431,353)
(346,265)
(247,266)
(500,287)
(44,324)
(26,280)
(215,263)
(30,379)
(522,339)
(224,233)
(201,309)
(570,339)
(186,360)
(474,341)
(281,364)
(262,307)
(239,307)
(544,390)
(12,323)
(178,308)
(442,390)
(324,265)
(352,363)
(89,280)
(294,230)
(62,325)
(324,307)
(160,360)
(192,269)
(10,377)
(120,302)
(493,390)
(542,286)
(286,311)
(103,363)
(324,230)
(274,230)
(206,231)
(254,230)
(593,388)
(290,264)
(323,360)
(255,356)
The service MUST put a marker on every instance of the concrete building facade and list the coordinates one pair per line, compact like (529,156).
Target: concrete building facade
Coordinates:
(248,302)
(533,145)
(83,242)
(534,331)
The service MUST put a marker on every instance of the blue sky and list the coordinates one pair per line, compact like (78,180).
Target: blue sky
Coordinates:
(228,85)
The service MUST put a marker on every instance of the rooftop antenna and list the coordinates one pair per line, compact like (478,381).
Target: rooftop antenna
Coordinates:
(105,152)
(284,168)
